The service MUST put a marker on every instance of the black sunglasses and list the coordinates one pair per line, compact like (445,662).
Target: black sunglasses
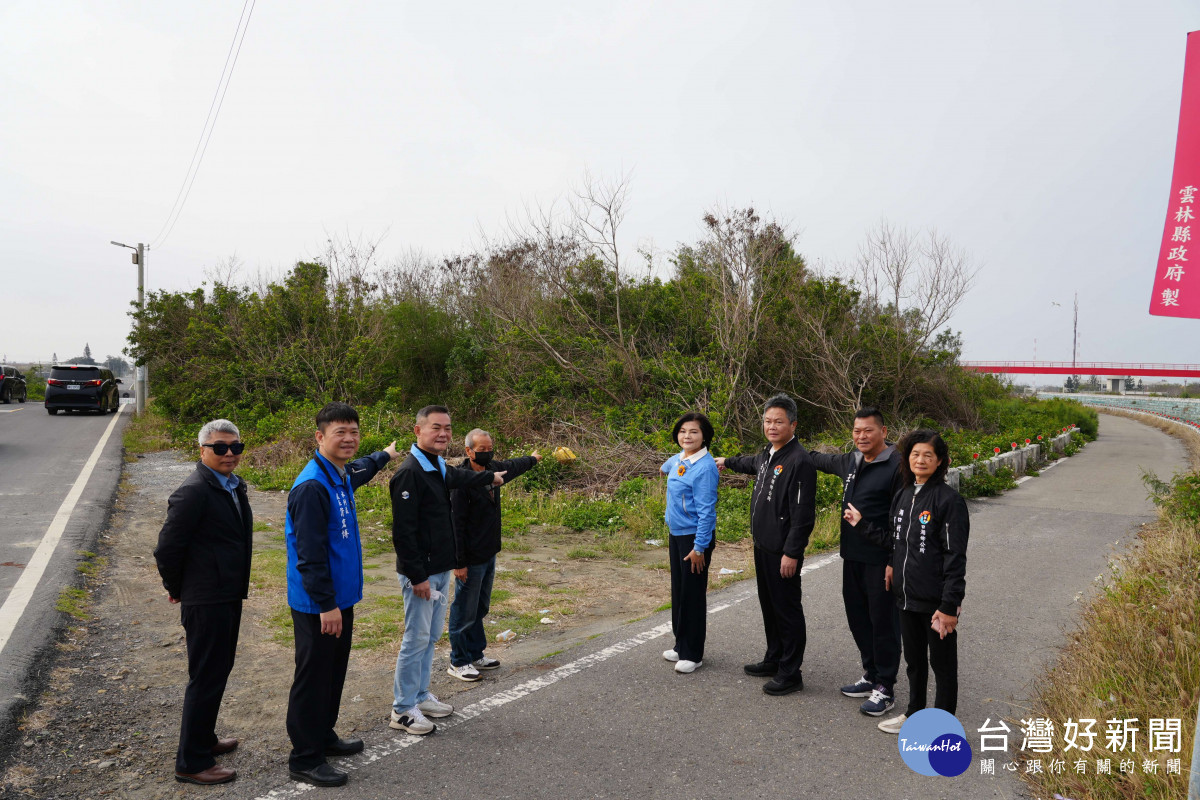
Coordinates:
(221,448)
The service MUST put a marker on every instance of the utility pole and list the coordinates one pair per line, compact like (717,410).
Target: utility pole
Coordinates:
(1075,335)
(139,258)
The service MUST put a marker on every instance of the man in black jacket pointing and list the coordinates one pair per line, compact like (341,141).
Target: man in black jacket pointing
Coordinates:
(783,509)
(203,556)
(476,514)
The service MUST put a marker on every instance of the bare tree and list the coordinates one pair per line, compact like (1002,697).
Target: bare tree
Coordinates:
(739,252)
(914,284)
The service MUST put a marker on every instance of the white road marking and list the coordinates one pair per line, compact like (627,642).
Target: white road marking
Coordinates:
(10,410)
(393,746)
(18,598)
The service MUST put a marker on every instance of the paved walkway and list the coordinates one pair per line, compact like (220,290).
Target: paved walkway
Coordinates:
(611,719)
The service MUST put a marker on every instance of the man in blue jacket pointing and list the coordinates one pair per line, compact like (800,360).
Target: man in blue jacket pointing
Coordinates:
(325,581)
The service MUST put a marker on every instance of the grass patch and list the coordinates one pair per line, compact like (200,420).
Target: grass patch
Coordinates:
(262,526)
(1134,655)
(148,433)
(279,623)
(517,546)
(73,602)
(582,553)
(827,532)
(378,622)
(268,570)
(663,607)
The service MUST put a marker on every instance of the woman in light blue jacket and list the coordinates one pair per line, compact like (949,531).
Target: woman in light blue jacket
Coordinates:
(692,520)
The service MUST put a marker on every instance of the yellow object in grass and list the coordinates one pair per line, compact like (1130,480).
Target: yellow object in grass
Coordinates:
(564,454)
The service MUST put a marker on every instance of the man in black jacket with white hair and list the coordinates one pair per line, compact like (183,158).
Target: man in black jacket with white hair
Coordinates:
(783,510)
(203,556)
(476,514)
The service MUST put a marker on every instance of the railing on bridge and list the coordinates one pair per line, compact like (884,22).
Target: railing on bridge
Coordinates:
(1112,368)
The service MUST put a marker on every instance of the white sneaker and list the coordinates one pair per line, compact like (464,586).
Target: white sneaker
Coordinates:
(412,721)
(435,708)
(466,673)
(684,666)
(670,655)
(892,724)
(483,662)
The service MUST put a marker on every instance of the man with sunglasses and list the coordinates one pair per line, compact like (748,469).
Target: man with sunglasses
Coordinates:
(203,556)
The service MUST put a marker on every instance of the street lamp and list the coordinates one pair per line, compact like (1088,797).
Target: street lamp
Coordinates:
(139,258)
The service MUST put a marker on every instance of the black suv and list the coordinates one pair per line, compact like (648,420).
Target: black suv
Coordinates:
(82,387)
(12,385)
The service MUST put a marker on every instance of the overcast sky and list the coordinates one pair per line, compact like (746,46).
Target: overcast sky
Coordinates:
(1039,136)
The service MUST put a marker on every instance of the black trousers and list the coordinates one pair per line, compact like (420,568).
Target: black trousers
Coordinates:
(316,695)
(874,620)
(689,611)
(212,635)
(923,647)
(783,613)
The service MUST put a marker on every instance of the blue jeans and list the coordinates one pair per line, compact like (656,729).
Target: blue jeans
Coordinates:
(423,621)
(472,601)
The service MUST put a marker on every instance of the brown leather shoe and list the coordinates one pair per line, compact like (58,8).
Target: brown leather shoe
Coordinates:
(214,774)
(224,746)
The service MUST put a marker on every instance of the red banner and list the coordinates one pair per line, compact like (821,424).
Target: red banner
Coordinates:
(1177,282)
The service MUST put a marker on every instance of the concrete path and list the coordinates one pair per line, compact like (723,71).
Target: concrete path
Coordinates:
(611,719)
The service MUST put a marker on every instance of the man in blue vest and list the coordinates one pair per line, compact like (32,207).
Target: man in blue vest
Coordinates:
(325,581)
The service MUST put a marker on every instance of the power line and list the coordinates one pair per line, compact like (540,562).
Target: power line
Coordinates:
(210,123)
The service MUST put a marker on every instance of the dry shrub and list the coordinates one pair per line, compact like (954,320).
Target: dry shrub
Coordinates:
(1134,655)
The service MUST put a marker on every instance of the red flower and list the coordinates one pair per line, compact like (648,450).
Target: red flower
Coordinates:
(976,455)
(1039,437)
(1014,445)
(1026,441)
(997,449)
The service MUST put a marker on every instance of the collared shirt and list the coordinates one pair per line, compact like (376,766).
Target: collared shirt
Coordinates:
(694,457)
(229,483)
(423,459)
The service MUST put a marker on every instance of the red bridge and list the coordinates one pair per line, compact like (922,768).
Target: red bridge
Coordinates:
(1083,368)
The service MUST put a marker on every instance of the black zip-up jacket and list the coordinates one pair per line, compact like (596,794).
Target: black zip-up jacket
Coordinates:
(870,486)
(928,540)
(422,529)
(476,513)
(783,506)
(203,552)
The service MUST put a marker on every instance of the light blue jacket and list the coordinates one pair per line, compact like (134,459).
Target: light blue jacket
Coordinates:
(692,497)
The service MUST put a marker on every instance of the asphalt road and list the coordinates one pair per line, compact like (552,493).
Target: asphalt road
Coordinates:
(41,460)
(611,719)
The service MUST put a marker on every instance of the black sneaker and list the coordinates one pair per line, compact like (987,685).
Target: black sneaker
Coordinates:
(763,669)
(860,688)
(320,775)
(880,702)
(778,686)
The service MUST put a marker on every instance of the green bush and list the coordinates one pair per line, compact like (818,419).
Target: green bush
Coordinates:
(984,484)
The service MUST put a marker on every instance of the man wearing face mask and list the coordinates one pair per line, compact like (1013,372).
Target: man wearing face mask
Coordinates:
(476,514)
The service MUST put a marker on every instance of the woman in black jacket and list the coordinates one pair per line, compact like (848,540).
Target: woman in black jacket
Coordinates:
(928,569)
